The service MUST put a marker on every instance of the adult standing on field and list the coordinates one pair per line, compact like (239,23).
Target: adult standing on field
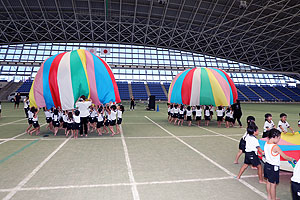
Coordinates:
(17,100)
(237,112)
(132,103)
(83,106)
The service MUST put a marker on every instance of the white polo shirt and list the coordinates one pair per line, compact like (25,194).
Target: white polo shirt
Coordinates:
(296,175)
(220,113)
(284,125)
(199,112)
(83,107)
(269,125)
(251,143)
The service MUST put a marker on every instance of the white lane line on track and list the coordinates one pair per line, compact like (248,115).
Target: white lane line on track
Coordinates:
(29,176)
(13,138)
(210,160)
(12,122)
(134,190)
(119,138)
(130,184)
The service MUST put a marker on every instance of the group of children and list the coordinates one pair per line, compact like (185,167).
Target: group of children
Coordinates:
(177,113)
(250,146)
(101,119)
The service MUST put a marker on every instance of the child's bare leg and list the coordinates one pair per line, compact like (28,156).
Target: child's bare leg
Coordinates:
(238,155)
(118,129)
(27,130)
(104,128)
(268,186)
(260,176)
(175,121)
(99,131)
(243,168)
(112,131)
(273,191)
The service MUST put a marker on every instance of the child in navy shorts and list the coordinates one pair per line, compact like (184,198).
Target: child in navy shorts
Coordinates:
(189,115)
(76,124)
(100,120)
(242,144)
(272,165)
(251,158)
(295,182)
(120,111)
(30,122)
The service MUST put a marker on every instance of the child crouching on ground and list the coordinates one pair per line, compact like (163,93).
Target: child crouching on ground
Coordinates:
(251,158)
(35,120)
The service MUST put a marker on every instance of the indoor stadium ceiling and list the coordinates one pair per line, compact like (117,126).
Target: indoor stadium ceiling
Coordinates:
(265,33)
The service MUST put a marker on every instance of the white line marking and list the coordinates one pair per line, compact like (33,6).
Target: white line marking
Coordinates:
(118,138)
(210,160)
(130,184)
(13,138)
(12,122)
(27,178)
(134,190)
(219,134)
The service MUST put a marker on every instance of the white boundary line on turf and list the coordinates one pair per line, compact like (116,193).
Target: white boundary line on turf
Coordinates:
(27,178)
(130,184)
(134,190)
(12,122)
(14,138)
(219,134)
(118,138)
(210,160)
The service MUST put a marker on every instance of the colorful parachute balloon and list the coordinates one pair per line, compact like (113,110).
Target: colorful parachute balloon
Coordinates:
(202,86)
(64,77)
(290,145)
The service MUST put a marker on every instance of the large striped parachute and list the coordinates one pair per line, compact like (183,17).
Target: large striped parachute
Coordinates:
(290,144)
(64,77)
(202,86)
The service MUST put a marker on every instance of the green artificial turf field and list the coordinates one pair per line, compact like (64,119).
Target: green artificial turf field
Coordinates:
(152,159)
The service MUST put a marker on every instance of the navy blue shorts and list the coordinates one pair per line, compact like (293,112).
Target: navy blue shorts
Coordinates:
(189,118)
(92,119)
(251,159)
(207,118)
(35,124)
(219,118)
(69,126)
(181,116)
(295,190)
(198,118)
(55,123)
(48,119)
(100,124)
(119,121)
(30,121)
(112,122)
(271,173)
(76,126)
